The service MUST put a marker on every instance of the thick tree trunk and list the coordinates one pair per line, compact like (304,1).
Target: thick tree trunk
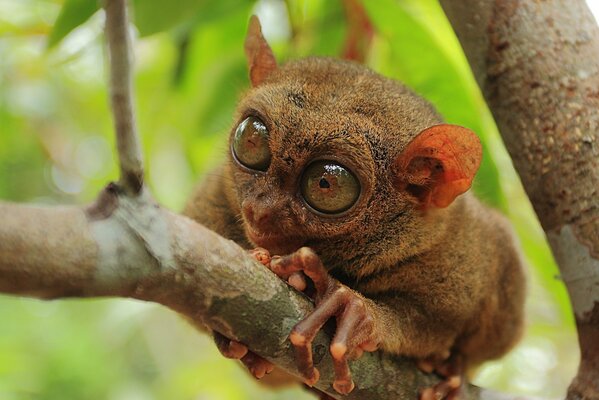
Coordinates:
(537,63)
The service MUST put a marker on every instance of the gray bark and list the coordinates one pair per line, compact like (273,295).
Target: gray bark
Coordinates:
(121,95)
(537,63)
(131,247)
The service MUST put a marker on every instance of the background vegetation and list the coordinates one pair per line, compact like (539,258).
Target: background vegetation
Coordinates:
(56,146)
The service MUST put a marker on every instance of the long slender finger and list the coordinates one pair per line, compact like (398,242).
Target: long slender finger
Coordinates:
(283,267)
(297,280)
(305,259)
(347,323)
(356,331)
(257,365)
(229,348)
(314,269)
(370,345)
(345,343)
(356,353)
(305,363)
(343,382)
(304,332)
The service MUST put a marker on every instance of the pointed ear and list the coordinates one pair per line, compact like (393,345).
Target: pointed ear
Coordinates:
(439,164)
(261,60)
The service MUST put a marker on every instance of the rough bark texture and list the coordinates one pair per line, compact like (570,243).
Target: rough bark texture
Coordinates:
(537,63)
(143,251)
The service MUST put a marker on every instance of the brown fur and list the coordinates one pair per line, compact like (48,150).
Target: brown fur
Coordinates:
(437,279)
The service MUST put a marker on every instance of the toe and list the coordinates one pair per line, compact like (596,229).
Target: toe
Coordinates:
(311,376)
(343,386)
(297,281)
(257,365)
(236,350)
(338,350)
(427,394)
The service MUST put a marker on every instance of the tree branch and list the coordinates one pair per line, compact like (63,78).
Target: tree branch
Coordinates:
(537,64)
(146,252)
(121,88)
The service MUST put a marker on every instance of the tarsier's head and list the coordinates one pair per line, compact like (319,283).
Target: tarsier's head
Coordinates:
(328,154)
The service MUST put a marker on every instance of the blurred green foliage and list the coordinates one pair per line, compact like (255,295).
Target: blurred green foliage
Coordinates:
(56,146)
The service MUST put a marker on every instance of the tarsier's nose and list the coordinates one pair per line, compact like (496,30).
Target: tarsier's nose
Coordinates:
(258,216)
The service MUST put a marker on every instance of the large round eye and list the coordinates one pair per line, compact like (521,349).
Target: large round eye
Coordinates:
(329,187)
(250,144)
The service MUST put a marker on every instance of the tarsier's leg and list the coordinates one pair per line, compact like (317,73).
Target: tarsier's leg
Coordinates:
(451,369)
(355,323)
(257,365)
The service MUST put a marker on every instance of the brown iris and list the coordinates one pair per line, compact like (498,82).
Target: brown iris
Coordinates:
(329,187)
(250,144)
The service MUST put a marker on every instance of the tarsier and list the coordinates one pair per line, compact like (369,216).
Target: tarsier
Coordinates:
(360,189)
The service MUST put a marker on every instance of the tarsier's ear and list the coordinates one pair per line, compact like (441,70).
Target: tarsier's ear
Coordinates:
(261,60)
(439,164)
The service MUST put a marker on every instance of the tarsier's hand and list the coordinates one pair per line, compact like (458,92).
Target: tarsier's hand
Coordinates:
(451,368)
(356,331)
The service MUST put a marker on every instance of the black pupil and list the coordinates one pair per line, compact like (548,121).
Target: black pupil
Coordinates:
(324,184)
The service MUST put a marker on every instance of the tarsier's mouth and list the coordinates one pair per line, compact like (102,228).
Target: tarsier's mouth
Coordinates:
(276,243)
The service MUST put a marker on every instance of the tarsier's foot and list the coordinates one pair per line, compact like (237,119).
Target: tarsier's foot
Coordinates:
(451,369)
(355,323)
(257,365)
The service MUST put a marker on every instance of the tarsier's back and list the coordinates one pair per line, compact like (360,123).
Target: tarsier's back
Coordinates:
(358,184)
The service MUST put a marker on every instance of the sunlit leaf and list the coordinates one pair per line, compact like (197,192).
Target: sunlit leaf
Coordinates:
(153,16)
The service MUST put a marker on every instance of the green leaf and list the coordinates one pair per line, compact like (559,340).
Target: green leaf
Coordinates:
(153,16)
(72,14)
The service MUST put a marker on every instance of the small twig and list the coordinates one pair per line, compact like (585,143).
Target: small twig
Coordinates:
(121,89)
